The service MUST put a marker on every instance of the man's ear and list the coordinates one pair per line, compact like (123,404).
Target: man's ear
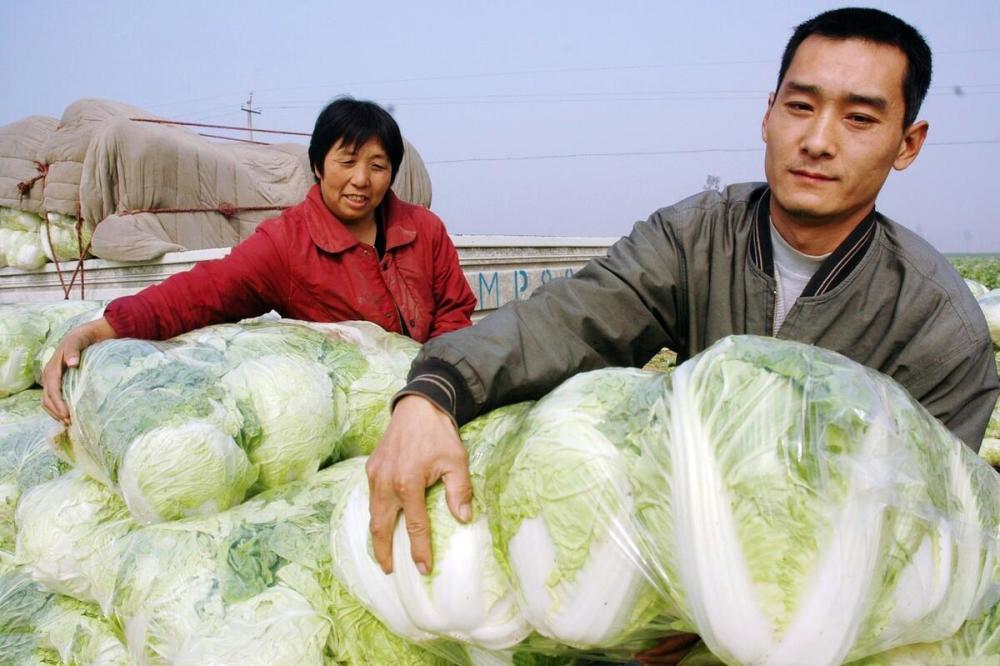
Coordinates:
(767,113)
(909,147)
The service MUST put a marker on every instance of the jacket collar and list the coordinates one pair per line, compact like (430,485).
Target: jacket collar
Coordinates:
(834,270)
(332,236)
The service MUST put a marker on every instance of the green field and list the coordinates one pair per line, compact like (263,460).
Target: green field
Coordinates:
(983,268)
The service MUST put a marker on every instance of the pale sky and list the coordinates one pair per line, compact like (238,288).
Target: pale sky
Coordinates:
(558,118)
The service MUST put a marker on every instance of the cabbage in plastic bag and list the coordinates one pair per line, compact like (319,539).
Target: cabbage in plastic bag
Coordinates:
(790,488)
(39,627)
(71,532)
(251,581)
(23,250)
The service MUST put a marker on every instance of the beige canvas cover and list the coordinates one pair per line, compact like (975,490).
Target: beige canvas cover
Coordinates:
(204,194)
(154,188)
(150,188)
(66,149)
(19,145)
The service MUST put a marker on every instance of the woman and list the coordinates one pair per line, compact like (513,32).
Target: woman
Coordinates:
(350,251)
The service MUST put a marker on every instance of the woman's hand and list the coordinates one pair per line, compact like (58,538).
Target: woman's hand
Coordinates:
(67,355)
(420,446)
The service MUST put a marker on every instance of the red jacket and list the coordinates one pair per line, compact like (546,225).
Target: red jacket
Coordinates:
(306,265)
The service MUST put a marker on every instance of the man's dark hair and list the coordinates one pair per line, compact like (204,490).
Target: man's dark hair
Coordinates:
(875,26)
(354,122)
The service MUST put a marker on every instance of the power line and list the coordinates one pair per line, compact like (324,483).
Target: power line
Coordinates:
(649,153)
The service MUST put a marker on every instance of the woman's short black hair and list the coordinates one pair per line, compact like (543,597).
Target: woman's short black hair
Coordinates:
(354,122)
(875,26)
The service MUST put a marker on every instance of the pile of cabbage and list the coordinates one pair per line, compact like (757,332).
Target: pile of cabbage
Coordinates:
(209,505)
(27,241)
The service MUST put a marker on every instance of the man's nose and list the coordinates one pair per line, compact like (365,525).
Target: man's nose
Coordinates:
(820,139)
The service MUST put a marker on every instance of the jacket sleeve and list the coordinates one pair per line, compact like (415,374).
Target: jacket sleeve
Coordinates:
(618,310)
(453,298)
(245,283)
(964,392)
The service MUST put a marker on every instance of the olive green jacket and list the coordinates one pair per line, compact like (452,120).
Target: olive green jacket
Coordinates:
(700,270)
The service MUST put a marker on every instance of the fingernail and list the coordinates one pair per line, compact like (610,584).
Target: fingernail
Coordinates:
(465,513)
(422,568)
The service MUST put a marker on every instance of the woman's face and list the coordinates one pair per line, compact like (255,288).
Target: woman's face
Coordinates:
(354,181)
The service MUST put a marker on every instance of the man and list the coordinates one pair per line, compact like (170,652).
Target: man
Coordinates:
(804,257)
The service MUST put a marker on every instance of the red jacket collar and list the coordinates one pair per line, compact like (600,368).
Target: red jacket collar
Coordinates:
(331,235)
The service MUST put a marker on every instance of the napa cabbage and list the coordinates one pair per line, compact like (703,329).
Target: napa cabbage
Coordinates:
(787,488)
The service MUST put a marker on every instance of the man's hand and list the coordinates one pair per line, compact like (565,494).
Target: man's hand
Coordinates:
(671,651)
(420,446)
(67,355)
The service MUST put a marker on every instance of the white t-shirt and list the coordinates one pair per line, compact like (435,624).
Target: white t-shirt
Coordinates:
(792,272)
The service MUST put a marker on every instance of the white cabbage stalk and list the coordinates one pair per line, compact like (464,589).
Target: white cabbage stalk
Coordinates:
(977,288)
(990,305)
(70,535)
(561,500)
(296,429)
(24,250)
(354,564)
(469,596)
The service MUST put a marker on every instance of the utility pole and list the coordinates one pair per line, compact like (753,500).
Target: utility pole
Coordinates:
(248,107)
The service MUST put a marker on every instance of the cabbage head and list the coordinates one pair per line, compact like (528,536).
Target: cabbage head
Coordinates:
(58,330)
(22,333)
(787,487)
(291,419)
(386,359)
(251,582)
(71,532)
(26,460)
(19,220)
(560,497)
(24,250)
(154,420)
(23,330)
(21,406)
(40,627)
(66,244)
(6,235)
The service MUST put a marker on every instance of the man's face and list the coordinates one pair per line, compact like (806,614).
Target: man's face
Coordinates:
(834,130)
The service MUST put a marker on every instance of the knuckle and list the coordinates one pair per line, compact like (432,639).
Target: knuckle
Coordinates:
(416,527)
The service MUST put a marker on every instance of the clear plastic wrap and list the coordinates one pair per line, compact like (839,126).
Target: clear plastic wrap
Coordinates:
(26,457)
(779,500)
(192,426)
(24,329)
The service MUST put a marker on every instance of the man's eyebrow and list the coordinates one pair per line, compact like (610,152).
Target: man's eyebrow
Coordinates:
(874,101)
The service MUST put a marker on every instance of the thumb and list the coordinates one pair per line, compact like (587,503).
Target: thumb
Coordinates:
(458,491)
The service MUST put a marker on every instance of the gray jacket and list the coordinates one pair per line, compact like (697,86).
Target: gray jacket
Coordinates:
(700,270)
